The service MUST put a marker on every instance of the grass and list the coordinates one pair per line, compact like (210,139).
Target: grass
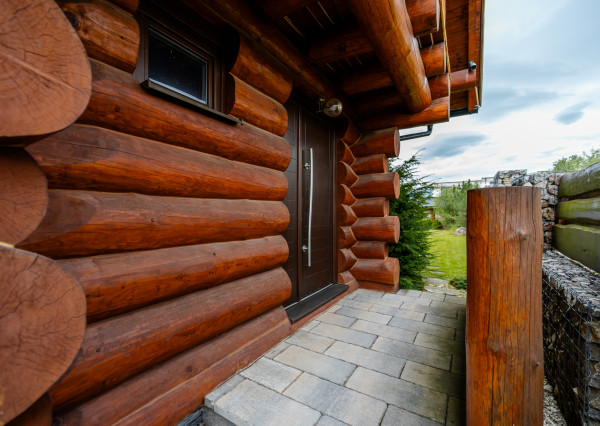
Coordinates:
(450,253)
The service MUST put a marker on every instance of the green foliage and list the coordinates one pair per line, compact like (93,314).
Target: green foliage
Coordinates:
(576,162)
(452,204)
(436,224)
(459,283)
(413,247)
(450,255)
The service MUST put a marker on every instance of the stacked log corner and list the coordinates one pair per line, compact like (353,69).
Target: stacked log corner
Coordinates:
(169,219)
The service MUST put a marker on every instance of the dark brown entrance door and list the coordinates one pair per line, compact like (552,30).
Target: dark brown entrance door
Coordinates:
(310,176)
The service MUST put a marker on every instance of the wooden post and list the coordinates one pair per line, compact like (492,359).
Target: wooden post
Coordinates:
(504,352)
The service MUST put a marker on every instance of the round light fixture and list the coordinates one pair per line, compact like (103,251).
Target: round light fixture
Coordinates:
(333,107)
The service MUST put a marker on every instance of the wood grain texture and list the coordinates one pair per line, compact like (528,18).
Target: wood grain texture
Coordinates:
(504,351)
(345,174)
(344,153)
(118,283)
(462,80)
(348,279)
(346,260)
(385,141)
(23,195)
(130,6)
(385,271)
(347,131)
(91,158)
(345,215)
(372,207)
(205,365)
(386,288)
(108,33)
(424,16)
(46,78)
(119,103)
(38,414)
(345,237)
(438,112)
(341,43)
(100,223)
(377,185)
(434,60)
(371,250)
(121,347)
(579,242)
(585,211)
(581,182)
(249,104)
(386,229)
(365,78)
(345,196)
(42,322)
(377,163)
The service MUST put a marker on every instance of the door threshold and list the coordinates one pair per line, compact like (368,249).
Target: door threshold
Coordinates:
(313,302)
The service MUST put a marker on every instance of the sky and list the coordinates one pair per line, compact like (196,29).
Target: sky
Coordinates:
(541,93)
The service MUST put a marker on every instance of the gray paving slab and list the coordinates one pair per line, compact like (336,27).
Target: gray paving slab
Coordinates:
(412,352)
(341,320)
(252,404)
(368,292)
(458,324)
(271,374)
(434,378)
(462,314)
(364,315)
(386,302)
(330,421)
(422,327)
(378,361)
(410,293)
(457,412)
(273,352)
(440,344)
(336,401)
(320,365)
(384,330)
(455,299)
(414,398)
(356,304)
(459,364)
(459,335)
(445,310)
(222,389)
(460,307)
(348,335)
(407,299)
(395,416)
(310,325)
(311,341)
(334,308)
(400,313)
(432,296)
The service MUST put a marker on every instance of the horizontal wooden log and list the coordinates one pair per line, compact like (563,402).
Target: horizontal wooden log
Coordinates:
(347,131)
(42,323)
(371,250)
(585,211)
(277,9)
(130,6)
(345,237)
(345,196)
(385,229)
(23,195)
(46,78)
(252,64)
(340,44)
(108,33)
(205,365)
(91,158)
(385,141)
(347,279)
(118,348)
(377,163)
(463,80)
(365,78)
(250,105)
(434,59)
(386,271)
(39,414)
(386,288)
(580,243)
(118,283)
(345,174)
(581,182)
(346,259)
(345,215)
(438,112)
(424,16)
(119,103)
(377,185)
(344,153)
(372,207)
(100,223)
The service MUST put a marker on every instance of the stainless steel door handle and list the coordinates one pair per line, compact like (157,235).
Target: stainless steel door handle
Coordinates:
(310,207)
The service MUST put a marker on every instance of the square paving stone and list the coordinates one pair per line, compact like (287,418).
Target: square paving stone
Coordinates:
(395,416)
(311,341)
(444,321)
(378,361)
(222,389)
(455,299)
(273,352)
(410,293)
(457,412)
(271,374)
(433,378)
(444,311)
(406,299)
(385,331)
(440,344)
(387,302)
(320,365)
(369,292)
(334,308)
(310,326)
(336,319)
(356,304)
(416,399)
(364,315)
(336,401)
(419,326)
(348,335)
(400,313)
(252,404)
(412,352)
(432,296)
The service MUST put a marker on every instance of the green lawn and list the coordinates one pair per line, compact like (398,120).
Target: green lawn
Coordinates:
(450,253)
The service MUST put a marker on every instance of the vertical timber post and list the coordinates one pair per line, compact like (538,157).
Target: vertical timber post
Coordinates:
(504,352)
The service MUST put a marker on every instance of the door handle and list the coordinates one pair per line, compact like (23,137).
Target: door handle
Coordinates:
(310,206)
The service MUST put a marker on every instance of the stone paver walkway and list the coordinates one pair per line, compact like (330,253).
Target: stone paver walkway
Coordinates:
(373,358)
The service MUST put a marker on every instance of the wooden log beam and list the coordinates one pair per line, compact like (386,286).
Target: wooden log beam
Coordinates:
(345,174)
(345,237)
(130,6)
(387,288)
(388,27)
(434,60)
(346,259)
(108,33)
(345,196)
(121,347)
(371,250)
(580,243)
(23,195)
(463,80)
(91,158)
(42,322)
(347,279)
(385,271)
(386,229)
(100,223)
(38,414)
(585,211)
(252,64)
(347,131)
(344,153)
(277,9)
(504,350)
(385,141)
(251,105)
(340,44)
(377,163)
(424,16)
(46,78)
(205,365)
(118,283)
(345,215)
(372,207)
(582,182)
(377,185)
(119,103)
(438,112)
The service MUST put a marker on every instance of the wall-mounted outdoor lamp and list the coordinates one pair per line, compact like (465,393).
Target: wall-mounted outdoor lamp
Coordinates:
(331,108)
